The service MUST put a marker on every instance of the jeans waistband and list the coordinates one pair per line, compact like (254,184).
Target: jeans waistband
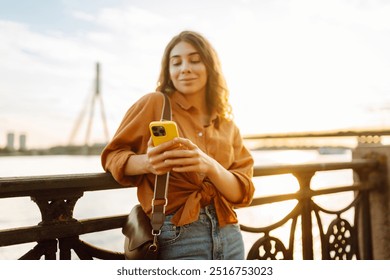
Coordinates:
(207,209)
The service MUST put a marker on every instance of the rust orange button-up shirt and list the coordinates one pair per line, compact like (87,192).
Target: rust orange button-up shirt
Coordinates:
(187,192)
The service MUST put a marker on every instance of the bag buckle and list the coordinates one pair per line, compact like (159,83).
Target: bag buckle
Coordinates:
(154,246)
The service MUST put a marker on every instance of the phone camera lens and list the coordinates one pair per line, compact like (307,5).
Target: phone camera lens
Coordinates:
(158,131)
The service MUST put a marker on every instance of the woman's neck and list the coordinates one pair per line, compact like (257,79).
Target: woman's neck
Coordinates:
(198,101)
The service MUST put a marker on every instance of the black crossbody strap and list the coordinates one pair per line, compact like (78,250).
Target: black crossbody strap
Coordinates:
(160,201)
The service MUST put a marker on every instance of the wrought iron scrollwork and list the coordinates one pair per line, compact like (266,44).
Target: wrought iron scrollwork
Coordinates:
(341,240)
(272,248)
(268,248)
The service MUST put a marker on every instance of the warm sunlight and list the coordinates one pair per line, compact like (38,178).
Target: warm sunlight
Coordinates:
(291,66)
(300,173)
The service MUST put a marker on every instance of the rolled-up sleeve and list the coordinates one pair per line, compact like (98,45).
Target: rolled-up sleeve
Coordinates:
(242,168)
(131,138)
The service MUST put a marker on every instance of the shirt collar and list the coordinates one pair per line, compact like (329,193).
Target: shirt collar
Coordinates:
(185,105)
(181,101)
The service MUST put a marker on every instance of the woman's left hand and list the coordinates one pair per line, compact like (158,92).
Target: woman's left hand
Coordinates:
(190,158)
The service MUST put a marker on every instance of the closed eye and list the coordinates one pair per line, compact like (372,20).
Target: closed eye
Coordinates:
(175,61)
(195,58)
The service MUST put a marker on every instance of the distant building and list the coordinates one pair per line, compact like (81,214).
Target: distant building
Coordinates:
(10,142)
(22,142)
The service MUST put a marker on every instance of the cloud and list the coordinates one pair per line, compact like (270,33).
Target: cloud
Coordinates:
(281,58)
(80,15)
(39,77)
(48,75)
(129,19)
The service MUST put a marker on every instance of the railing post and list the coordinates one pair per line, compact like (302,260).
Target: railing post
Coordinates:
(367,250)
(304,179)
(56,208)
(377,217)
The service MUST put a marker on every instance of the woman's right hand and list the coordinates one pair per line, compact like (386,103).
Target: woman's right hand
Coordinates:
(156,156)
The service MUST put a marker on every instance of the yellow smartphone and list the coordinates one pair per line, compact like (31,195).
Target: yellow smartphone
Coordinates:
(163,131)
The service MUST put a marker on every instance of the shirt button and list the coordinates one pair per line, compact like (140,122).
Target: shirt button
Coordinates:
(200,134)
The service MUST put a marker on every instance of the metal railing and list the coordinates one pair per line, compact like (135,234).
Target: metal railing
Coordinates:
(59,231)
(341,239)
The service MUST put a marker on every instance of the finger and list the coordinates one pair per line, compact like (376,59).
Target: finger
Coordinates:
(161,171)
(170,145)
(185,143)
(150,145)
(159,160)
(150,142)
(182,169)
(171,162)
(160,167)
(173,154)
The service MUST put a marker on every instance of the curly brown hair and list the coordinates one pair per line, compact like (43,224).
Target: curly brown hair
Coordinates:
(217,93)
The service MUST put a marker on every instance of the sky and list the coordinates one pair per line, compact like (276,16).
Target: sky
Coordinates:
(291,66)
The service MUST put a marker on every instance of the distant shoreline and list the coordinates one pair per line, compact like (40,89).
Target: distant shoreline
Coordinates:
(95,149)
(98,148)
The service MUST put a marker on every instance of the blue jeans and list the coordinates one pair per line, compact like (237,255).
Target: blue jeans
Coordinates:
(201,240)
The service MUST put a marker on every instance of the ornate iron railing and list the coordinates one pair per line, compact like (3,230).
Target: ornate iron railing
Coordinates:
(59,231)
(341,239)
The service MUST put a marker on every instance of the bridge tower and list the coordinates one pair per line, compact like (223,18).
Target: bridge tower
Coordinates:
(89,109)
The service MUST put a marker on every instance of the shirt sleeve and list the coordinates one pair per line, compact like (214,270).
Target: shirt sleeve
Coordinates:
(131,138)
(242,168)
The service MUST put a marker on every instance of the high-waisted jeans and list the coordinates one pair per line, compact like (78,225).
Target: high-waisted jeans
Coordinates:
(201,240)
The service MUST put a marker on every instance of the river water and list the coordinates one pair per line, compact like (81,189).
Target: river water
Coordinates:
(19,212)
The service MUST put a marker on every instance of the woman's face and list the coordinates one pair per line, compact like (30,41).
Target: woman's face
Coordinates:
(187,70)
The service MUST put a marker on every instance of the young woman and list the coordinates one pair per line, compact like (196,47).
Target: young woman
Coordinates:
(210,168)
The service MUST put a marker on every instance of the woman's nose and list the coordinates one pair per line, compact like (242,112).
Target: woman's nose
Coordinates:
(185,67)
